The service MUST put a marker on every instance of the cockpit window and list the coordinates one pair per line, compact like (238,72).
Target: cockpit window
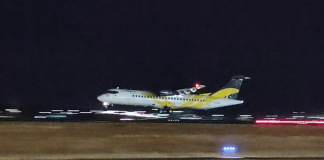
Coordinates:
(112,92)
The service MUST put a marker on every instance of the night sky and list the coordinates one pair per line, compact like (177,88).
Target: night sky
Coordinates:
(63,54)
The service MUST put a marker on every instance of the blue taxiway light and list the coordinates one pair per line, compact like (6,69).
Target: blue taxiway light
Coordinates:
(229,148)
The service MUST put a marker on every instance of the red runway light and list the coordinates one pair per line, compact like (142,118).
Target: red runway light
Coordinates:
(283,122)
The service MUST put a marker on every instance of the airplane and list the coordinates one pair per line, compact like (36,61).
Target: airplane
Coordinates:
(179,99)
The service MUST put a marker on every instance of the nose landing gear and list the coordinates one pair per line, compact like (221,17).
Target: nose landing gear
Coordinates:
(106,104)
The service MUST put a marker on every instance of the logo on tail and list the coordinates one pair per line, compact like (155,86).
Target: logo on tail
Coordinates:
(232,88)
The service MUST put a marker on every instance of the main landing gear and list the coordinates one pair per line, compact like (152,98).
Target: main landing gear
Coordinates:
(166,109)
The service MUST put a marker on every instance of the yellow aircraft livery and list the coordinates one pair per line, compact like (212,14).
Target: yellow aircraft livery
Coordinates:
(182,98)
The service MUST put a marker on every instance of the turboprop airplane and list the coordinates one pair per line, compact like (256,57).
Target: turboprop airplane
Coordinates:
(178,99)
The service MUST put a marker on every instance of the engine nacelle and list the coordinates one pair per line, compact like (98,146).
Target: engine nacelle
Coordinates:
(187,91)
(193,90)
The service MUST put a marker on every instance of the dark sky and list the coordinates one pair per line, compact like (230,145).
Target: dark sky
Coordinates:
(63,54)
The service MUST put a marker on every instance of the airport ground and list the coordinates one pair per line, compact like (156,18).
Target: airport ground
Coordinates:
(75,140)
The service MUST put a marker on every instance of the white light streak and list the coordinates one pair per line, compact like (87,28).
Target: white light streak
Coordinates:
(96,110)
(44,112)
(298,116)
(85,112)
(72,113)
(316,117)
(40,116)
(68,113)
(194,118)
(218,115)
(126,119)
(107,112)
(140,111)
(73,110)
(13,110)
(163,115)
(177,111)
(245,115)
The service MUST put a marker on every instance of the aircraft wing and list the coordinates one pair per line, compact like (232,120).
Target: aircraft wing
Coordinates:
(205,94)
(190,90)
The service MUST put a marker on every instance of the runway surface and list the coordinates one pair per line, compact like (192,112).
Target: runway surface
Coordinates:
(97,134)
(77,140)
(203,158)
(196,158)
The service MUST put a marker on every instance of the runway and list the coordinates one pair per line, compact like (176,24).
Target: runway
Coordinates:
(109,134)
(204,158)
(77,140)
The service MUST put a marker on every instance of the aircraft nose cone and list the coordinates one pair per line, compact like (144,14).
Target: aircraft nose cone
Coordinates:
(100,98)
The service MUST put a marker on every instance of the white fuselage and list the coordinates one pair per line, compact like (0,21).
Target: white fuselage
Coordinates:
(145,98)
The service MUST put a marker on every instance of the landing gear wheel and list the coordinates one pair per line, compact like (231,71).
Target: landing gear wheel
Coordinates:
(105,104)
(169,110)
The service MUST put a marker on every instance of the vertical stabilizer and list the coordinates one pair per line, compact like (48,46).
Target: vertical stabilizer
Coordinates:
(232,88)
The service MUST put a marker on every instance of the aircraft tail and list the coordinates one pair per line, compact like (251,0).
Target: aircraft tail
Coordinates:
(232,88)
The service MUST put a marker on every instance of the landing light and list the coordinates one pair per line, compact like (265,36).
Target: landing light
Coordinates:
(105,103)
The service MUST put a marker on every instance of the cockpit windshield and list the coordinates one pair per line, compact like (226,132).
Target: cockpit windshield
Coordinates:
(112,92)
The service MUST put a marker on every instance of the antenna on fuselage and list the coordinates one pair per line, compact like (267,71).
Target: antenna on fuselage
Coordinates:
(117,87)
